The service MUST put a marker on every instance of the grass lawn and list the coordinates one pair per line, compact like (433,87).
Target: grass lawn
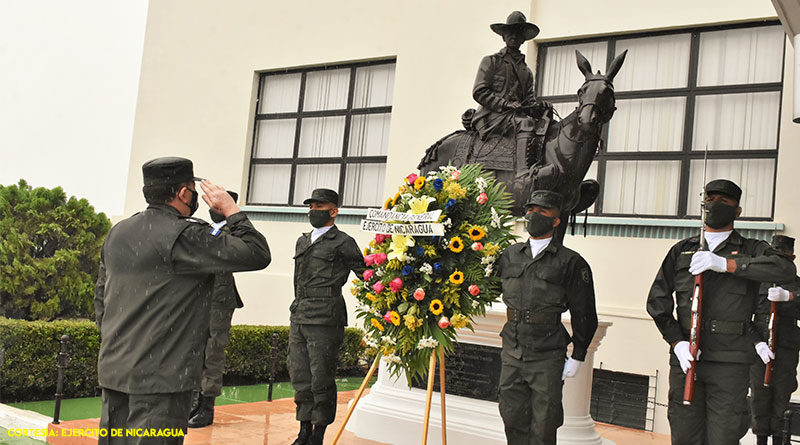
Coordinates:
(5,439)
(89,407)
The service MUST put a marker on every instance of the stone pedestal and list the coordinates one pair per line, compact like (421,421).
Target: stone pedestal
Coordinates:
(392,412)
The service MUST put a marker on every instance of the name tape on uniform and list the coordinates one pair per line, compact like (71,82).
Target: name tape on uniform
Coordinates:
(388,215)
(420,229)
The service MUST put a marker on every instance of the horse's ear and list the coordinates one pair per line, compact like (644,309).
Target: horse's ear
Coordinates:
(616,64)
(583,64)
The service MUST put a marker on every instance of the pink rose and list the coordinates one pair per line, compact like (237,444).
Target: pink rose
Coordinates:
(477,246)
(411,178)
(444,323)
(396,285)
(380,258)
(378,287)
(482,198)
(369,260)
(474,290)
(380,238)
(388,316)
(368,274)
(455,174)
(419,294)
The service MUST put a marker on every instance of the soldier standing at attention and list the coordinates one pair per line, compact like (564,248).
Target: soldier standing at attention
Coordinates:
(734,267)
(323,260)
(768,403)
(153,295)
(225,298)
(541,280)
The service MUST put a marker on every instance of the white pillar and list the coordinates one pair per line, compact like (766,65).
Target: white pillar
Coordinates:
(392,412)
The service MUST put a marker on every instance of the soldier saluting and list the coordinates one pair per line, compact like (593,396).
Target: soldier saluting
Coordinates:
(153,294)
(734,267)
(323,260)
(541,280)
(768,403)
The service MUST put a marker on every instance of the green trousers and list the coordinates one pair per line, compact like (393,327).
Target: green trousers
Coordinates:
(132,411)
(313,353)
(767,404)
(214,362)
(718,414)
(530,399)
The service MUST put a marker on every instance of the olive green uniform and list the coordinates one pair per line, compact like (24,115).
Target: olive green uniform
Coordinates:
(225,298)
(318,317)
(718,413)
(537,291)
(152,303)
(769,403)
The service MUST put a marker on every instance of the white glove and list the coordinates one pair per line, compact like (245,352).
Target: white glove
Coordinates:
(778,294)
(571,367)
(764,352)
(705,260)
(684,356)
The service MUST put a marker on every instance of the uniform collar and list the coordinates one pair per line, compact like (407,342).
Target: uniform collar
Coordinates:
(329,234)
(525,249)
(735,239)
(165,208)
(517,57)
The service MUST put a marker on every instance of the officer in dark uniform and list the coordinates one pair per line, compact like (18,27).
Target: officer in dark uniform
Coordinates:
(153,295)
(734,267)
(225,298)
(541,280)
(323,260)
(769,403)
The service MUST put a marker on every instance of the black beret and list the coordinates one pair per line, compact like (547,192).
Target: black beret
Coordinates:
(545,198)
(323,195)
(167,171)
(783,242)
(725,187)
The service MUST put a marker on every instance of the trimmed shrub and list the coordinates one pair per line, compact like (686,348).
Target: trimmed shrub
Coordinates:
(30,348)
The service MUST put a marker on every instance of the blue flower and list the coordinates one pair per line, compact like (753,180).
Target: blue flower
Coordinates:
(437,266)
(450,203)
(407,270)
(420,251)
(438,184)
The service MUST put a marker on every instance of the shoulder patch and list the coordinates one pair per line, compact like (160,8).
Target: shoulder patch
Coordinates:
(215,231)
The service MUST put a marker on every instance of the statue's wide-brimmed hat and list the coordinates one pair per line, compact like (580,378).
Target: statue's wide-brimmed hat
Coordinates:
(516,21)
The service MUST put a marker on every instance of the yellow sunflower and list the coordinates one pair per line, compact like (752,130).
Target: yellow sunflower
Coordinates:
(396,197)
(387,204)
(436,307)
(476,233)
(377,324)
(419,183)
(457,277)
(395,318)
(456,245)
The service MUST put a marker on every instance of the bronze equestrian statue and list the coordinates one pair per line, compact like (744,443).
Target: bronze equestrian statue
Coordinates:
(558,154)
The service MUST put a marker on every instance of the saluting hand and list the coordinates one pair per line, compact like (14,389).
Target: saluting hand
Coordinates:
(218,198)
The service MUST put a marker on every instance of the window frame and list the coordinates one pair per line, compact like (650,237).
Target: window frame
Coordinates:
(685,155)
(348,112)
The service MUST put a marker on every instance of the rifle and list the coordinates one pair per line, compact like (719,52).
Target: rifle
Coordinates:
(697,299)
(773,315)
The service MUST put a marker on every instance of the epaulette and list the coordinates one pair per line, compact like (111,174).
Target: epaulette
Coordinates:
(192,219)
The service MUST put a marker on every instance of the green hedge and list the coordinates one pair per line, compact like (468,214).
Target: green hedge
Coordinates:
(29,371)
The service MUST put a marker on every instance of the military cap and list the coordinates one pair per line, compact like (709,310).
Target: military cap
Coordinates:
(234,195)
(725,187)
(783,242)
(168,170)
(323,195)
(544,198)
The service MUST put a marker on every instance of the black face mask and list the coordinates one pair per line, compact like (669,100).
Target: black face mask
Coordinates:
(193,203)
(319,218)
(539,224)
(216,217)
(719,214)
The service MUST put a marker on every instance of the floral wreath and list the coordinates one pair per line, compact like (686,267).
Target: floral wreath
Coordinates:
(417,291)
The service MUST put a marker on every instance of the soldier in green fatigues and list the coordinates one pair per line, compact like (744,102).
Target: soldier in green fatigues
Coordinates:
(734,267)
(323,260)
(225,298)
(769,403)
(152,299)
(541,280)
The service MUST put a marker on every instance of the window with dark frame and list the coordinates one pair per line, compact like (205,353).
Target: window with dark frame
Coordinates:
(678,92)
(325,127)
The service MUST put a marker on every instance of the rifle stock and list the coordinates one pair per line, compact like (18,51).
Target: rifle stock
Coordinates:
(771,342)
(694,338)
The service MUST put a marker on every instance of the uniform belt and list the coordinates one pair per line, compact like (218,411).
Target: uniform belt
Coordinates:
(719,326)
(531,317)
(320,292)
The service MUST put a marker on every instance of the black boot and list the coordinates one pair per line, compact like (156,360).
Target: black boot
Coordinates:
(762,440)
(304,435)
(317,435)
(205,414)
(776,440)
(195,403)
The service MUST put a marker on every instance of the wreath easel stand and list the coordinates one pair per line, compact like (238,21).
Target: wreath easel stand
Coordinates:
(428,396)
